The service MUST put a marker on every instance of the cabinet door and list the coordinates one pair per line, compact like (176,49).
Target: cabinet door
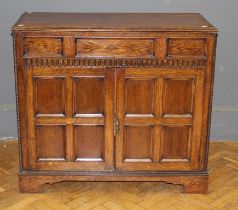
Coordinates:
(70,118)
(159,119)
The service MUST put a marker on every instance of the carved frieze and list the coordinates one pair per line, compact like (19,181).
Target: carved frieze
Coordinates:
(121,62)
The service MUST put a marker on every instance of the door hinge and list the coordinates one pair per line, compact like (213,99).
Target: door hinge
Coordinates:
(116,126)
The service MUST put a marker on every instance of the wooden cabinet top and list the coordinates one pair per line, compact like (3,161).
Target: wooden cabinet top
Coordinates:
(40,21)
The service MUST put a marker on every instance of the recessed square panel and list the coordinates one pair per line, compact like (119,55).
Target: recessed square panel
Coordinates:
(176,142)
(115,47)
(43,47)
(139,96)
(50,142)
(138,143)
(186,47)
(88,142)
(49,94)
(88,95)
(178,96)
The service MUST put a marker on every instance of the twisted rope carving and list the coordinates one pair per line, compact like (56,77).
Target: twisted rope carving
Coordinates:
(17,103)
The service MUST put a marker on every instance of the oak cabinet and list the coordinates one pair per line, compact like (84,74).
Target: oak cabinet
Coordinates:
(113,97)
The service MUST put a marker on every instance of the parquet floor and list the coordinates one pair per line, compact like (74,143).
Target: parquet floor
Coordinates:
(223,188)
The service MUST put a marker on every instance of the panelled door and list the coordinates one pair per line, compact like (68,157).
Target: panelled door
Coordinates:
(72,120)
(159,118)
(70,117)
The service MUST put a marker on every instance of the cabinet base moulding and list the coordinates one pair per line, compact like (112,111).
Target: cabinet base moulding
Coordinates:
(191,183)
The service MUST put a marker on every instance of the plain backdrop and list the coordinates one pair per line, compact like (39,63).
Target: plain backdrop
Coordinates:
(222,13)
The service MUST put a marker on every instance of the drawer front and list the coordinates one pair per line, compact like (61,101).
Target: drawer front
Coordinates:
(186,47)
(115,47)
(43,47)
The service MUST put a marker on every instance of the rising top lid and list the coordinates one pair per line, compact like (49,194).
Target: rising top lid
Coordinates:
(40,21)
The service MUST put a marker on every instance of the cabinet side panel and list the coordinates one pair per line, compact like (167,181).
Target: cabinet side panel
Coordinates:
(207,102)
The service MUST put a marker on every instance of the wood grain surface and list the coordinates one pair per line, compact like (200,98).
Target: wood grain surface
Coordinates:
(115,48)
(186,47)
(114,22)
(48,47)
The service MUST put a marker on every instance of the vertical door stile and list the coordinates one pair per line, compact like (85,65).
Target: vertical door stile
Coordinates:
(158,110)
(109,119)
(119,110)
(197,124)
(115,117)
(33,148)
(70,156)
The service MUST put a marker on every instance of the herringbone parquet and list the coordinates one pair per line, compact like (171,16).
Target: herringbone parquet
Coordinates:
(223,188)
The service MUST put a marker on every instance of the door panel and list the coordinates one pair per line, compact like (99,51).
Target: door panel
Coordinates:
(178,96)
(175,143)
(49,96)
(89,95)
(163,133)
(71,118)
(51,142)
(88,142)
(70,115)
(138,143)
(139,96)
